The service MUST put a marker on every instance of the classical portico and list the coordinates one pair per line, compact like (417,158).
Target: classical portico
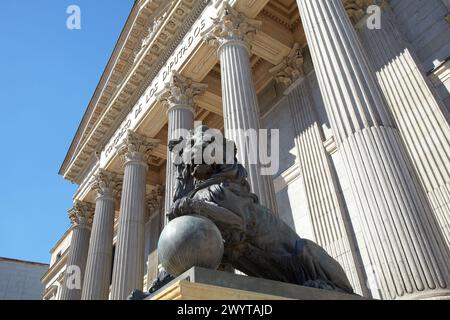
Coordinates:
(358,174)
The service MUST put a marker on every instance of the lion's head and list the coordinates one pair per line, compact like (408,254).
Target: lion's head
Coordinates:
(203,155)
(204,152)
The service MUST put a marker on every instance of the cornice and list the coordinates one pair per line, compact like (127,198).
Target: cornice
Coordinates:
(55,268)
(179,21)
(103,84)
(116,70)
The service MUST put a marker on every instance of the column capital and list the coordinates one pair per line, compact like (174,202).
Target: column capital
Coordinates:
(82,214)
(106,184)
(231,27)
(291,68)
(136,147)
(180,92)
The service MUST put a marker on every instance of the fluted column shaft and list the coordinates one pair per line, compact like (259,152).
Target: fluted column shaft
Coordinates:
(99,262)
(180,117)
(81,216)
(241,113)
(128,272)
(328,214)
(240,103)
(409,258)
(179,99)
(417,111)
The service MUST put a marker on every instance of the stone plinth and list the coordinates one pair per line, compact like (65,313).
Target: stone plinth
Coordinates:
(203,284)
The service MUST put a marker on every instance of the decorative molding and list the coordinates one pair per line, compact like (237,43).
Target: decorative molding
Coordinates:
(55,268)
(82,214)
(181,91)
(114,73)
(291,68)
(289,26)
(144,71)
(231,26)
(287,177)
(151,31)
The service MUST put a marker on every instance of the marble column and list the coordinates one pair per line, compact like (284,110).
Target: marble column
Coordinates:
(128,272)
(99,262)
(232,33)
(327,210)
(81,218)
(408,256)
(178,97)
(418,112)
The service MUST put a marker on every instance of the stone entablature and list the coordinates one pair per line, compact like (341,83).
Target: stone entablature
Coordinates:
(265,45)
(149,61)
(114,73)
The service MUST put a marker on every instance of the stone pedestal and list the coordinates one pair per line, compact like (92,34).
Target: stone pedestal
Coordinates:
(204,284)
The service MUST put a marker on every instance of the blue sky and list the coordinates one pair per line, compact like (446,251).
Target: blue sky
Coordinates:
(48,74)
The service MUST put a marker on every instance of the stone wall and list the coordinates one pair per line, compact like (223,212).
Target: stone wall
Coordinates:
(21,280)
(424,24)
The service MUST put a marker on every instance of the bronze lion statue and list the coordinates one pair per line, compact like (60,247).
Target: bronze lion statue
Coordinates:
(257,242)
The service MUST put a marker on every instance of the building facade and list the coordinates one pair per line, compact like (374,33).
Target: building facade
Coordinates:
(21,280)
(358,92)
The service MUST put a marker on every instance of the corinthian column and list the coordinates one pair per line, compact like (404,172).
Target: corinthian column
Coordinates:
(129,261)
(232,34)
(326,206)
(99,261)
(418,112)
(81,218)
(179,98)
(408,255)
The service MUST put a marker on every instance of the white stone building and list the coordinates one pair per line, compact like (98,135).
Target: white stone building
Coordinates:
(21,280)
(360,91)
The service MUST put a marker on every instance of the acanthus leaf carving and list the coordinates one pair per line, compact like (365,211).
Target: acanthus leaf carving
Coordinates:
(181,91)
(82,213)
(106,183)
(231,25)
(291,68)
